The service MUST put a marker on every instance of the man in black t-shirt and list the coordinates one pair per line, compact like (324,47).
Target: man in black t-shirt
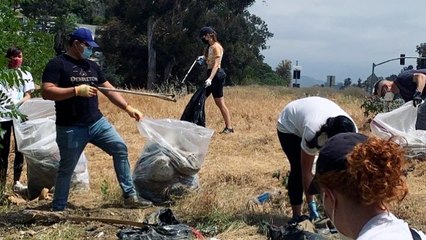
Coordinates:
(410,85)
(70,79)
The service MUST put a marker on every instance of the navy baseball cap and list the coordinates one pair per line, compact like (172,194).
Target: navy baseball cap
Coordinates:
(84,35)
(206,30)
(332,156)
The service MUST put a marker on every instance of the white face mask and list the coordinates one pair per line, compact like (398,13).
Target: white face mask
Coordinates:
(389,96)
(322,138)
(341,235)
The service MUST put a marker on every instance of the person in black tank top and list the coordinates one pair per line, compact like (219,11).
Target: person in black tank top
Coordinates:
(215,74)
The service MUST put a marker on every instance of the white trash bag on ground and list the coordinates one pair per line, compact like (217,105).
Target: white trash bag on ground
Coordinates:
(172,156)
(36,139)
(400,124)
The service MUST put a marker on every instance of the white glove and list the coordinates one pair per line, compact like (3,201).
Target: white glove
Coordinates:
(201,60)
(208,82)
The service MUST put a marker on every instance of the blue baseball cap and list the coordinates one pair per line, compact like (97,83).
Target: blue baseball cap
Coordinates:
(84,35)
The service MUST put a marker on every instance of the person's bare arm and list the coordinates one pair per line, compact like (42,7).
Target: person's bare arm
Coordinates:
(306,162)
(51,91)
(117,99)
(27,95)
(420,80)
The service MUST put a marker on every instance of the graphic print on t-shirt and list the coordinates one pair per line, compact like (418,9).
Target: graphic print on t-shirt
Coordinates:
(81,76)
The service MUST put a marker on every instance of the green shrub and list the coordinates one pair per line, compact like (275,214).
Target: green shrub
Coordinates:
(374,105)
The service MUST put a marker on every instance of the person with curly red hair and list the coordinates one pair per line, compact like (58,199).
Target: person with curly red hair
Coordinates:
(359,177)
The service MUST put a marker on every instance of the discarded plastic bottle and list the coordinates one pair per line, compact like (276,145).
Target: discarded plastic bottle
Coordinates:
(264,197)
(268,196)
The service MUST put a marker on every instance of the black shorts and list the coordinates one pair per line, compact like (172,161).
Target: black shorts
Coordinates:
(216,89)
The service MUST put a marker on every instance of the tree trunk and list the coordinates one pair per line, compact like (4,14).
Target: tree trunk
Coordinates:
(152,55)
(168,69)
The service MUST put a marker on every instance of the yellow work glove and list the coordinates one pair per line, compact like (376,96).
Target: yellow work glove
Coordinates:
(85,91)
(134,113)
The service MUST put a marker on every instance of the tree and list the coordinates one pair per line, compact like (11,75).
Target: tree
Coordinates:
(284,71)
(34,45)
(47,12)
(359,83)
(421,49)
(392,77)
(22,32)
(168,31)
(347,82)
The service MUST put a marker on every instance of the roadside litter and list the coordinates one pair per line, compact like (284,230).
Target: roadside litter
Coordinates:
(302,230)
(272,198)
(172,156)
(161,225)
(36,139)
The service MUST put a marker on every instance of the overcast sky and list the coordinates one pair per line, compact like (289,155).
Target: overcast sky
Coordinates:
(342,37)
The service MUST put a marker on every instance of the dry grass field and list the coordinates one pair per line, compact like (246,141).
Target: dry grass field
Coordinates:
(237,167)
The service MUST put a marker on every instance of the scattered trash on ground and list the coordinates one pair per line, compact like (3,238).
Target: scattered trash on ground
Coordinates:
(161,225)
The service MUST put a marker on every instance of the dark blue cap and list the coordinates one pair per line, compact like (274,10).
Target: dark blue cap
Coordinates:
(84,35)
(332,156)
(206,30)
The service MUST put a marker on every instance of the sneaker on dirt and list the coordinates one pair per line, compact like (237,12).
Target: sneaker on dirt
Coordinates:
(136,202)
(19,187)
(227,130)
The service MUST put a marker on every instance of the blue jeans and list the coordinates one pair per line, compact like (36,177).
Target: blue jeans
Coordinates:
(71,142)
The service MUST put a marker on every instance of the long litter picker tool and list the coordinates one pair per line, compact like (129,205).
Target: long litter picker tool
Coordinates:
(183,80)
(168,97)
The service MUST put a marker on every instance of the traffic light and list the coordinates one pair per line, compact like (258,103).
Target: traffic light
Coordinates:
(402,59)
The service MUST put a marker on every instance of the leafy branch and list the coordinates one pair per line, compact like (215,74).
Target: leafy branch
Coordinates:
(373,105)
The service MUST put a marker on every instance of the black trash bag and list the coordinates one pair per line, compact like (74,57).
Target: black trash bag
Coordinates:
(166,232)
(194,111)
(162,217)
(291,232)
(161,225)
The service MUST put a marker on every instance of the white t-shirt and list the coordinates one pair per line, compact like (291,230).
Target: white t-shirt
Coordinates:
(16,93)
(304,117)
(387,226)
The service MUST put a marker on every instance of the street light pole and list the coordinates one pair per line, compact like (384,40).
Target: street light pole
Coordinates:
(372,76)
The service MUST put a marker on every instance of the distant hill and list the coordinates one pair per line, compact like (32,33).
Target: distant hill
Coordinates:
(306,81)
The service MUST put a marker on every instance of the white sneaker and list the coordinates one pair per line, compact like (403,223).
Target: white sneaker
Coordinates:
(19,187)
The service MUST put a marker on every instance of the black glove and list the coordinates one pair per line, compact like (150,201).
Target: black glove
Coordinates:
(417,98)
